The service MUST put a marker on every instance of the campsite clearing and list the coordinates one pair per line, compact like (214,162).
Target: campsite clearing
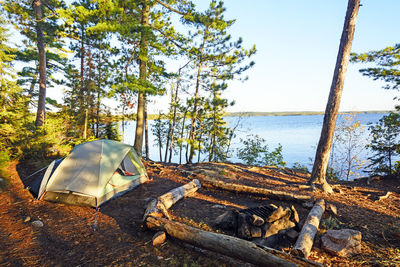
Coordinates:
(67,237)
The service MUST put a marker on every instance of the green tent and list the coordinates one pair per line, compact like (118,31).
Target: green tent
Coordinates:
(92,173)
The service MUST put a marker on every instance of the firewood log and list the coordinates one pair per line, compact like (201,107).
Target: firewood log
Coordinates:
(305,240)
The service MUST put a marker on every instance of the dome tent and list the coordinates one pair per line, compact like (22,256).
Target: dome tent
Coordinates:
(91,174)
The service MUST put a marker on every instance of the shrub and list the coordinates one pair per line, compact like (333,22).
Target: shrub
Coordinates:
(255,152)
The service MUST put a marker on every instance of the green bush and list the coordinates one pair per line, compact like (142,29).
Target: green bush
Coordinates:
(255,152)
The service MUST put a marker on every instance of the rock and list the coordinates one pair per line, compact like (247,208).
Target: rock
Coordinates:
(227,220)
(255,231)
(277,214)
(257,220)
(344,243)
(295,215)
(243,229)
(331,209)
(159,238)
(278,225)
(37,223)
(292,234)
(27,219)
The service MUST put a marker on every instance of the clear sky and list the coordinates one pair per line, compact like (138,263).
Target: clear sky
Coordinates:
(297,43)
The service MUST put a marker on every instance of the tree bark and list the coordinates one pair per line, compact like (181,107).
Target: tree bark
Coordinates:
(273,194)
(305,240)
(192,132)
(159,206)
(41,109)
(146,131)
(143,77)
(182,132)
(318,175)
(224,244)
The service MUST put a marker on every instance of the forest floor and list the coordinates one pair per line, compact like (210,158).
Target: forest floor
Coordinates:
(68,239)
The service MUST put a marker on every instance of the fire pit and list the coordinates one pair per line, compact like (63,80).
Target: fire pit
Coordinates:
(269,225)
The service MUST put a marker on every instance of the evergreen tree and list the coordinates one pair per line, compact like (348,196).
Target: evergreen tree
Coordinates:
(318,175)
(387,63)
(37,20)
(215,56)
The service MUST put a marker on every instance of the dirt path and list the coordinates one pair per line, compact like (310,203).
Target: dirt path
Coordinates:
(68,239)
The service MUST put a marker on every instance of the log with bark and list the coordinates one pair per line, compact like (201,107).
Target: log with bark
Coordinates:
(272,194)
(305,240)
(224,244)
(159,207)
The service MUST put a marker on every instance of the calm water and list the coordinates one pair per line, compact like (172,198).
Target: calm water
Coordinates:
(298,135)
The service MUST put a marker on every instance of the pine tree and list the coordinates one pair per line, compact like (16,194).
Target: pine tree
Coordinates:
(37,20)
(214,55)
(320,166)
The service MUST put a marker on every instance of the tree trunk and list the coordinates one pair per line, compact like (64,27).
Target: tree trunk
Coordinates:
(305,240)
(98,105)
(174,113)
(41,109)
(318,175)
(146,131)
(224,244)
(182,132)
(158,207)
(142,76)
(237,188)
(196,99)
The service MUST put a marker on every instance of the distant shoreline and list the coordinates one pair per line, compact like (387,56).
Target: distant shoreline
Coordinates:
(296,113)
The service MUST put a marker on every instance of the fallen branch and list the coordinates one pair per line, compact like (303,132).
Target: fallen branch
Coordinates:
(159,207)
(273,194)
(305,240)
(224,244)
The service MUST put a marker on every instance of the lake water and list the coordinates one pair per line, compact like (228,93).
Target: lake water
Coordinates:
(298,135)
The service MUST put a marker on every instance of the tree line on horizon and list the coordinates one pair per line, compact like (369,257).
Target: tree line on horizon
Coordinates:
(100,49)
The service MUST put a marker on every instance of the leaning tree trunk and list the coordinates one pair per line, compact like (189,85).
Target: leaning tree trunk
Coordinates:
(143,77)
(41,109)
(318,175)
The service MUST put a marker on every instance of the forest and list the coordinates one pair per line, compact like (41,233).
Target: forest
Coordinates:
(115,58)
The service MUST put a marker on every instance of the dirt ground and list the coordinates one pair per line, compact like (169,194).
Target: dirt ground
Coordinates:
(68,238)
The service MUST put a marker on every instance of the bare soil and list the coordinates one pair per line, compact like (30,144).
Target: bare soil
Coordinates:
(68,238)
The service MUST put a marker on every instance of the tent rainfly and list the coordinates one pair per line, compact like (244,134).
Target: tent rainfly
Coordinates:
(91,174)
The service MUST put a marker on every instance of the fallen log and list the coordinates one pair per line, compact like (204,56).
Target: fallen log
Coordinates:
(178,193)
(224,244)
(159,207)
(305,240)
(273,194)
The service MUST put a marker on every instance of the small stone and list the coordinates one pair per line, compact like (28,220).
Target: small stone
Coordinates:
(37,223)
(159,238)
(344,242)
(27,219)
(332,209)
(292,234)
(257,220)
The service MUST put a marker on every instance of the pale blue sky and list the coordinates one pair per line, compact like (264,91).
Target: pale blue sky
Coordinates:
(297,43)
